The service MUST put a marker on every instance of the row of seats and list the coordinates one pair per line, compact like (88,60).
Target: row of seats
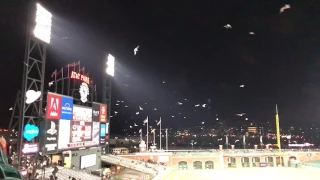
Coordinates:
(64,174)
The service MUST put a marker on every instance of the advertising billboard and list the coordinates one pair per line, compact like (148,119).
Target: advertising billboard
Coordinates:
(51,139)
(103,113)
(30,148)
(54,102)
(102,134)
(67,108)
(95,112)
(82,114)
(96,132)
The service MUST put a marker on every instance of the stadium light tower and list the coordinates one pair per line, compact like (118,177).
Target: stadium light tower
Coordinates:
(38,35)
(107,86)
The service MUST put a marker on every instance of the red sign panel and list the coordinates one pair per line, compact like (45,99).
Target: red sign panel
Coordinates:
(103,113)
(75,75)
(54,106)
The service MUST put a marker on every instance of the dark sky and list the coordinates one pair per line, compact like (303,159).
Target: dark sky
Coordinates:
(184,44)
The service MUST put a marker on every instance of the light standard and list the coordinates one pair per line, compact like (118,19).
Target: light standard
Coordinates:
(107,88)
(193,143)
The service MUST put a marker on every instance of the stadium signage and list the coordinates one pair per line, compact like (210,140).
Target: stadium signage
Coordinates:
(81,77)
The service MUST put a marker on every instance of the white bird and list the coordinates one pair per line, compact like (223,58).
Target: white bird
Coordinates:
(135,124)
(137,113)
(135,51)
(287,6)
(184,117)
(117,104)
(115,112)
(202,123)
(197,105)
(204,105)
(155,109)
(179,103)
(251,33)
(228,26)
(130,126)
(242,85)
(126,106)
(50,83)
(163,82)
(10,109)
(241,114)
(141,109)
(172,116)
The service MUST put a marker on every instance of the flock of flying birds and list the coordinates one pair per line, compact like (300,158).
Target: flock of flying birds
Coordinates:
(136,125)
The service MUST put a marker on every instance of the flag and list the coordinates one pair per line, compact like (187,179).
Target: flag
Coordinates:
(227,140)
(54,73)
(145,121)
(159,123)
(261,142)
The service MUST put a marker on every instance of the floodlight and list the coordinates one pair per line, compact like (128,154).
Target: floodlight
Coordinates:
(43,20)
(32,96)
(110,65)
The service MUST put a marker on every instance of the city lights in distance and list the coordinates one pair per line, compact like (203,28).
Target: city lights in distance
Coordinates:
(110,65)
(43,20)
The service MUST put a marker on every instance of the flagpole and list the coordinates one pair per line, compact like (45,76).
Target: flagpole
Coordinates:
(147,133)
(278,134)
(154,137)
(167,139)
(160,133)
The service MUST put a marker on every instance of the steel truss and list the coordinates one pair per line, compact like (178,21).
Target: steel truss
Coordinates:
(106,99)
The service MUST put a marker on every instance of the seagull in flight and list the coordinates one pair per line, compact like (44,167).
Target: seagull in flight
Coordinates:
(287,6)
(135,51)
(242,114)
(228,26)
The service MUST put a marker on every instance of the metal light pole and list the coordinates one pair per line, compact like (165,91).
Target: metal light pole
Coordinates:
(107,86)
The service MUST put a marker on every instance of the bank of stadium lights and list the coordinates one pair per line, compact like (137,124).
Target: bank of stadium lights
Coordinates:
(110,65)
(43,20)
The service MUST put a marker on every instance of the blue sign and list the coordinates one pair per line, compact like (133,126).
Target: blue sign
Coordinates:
(30,132)
(102,130)
(67,108)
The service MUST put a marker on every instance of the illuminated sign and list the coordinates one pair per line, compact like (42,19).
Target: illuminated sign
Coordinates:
(30,148)
(54,106)
(82,114)
(51,139)
(30,132)
(67,108)
(102,130)
(75,75)
(103,113)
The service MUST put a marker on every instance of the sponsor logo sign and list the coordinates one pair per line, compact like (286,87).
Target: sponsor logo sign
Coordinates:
(53,106)
(103,113)
(30,132)
(95,112)
(67,108)
(30,148)
(102,134)
(51,139)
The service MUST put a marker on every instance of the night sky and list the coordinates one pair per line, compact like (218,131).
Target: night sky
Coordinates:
(185,53)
